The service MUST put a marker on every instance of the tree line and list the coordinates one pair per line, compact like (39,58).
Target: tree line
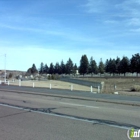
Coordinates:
(111,66)
(62,68)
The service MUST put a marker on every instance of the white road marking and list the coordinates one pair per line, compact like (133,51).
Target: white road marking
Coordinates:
(67,117)
(78,105)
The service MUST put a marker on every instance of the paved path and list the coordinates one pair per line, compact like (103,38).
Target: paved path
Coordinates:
(81,82)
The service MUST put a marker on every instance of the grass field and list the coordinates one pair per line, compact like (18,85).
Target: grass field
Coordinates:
(123,84)
(55,84)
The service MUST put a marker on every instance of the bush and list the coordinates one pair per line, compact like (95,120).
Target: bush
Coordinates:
(56,77)
(135,88)
(49,77)
(53,77)
(10,75)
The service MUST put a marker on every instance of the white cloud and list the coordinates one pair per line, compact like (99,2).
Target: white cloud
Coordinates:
(134,22)
(129,8)
(66,34)
(38,30)
(111,21)
(131,12)
(135,30)
(96,6)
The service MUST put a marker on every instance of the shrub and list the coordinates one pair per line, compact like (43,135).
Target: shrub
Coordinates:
(57,77)
(49,77)
(53,77)
(10,75)
(135,88)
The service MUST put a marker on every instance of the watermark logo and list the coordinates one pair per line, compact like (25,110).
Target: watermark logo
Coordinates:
(132,133)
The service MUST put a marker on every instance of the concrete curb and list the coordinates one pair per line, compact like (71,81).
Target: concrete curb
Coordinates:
(73,97)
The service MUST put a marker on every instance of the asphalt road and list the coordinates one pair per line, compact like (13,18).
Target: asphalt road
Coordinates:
(111,97)
(34,117)
(81,82)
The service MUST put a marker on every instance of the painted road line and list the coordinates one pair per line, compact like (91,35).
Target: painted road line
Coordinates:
(68,117)
(78,105)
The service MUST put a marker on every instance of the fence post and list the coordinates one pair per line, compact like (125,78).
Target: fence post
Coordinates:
(50,86)
(19,82)
(98,89)
(91,88)
(8,83)
(33,85)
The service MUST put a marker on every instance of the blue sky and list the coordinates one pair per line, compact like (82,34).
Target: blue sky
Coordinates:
(35,31)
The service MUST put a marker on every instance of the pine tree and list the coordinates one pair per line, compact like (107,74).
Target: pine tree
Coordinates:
(51,69)
(93,66)
(101,67)
(41,71)
(135,63)
(46,69)
(75,68)
(113,66)
(84,64)
(69,66)
(57,68)
(118,65)
(124,65)
(107,66)
(33,69)
(62,67)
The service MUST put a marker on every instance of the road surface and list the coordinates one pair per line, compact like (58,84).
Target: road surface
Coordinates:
(110,97)
(34,117)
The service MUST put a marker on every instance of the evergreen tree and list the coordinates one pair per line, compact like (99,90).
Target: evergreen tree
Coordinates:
(118,65)
(62,67)
(101,67)
(107,66)
(75,68)
(69,66)
(51,69)
(124,65)
(93,66)
(110,66)
(41,71)
(57,68)
(46,69)
(113,66)
(135,63)
(33,69)
(84,64)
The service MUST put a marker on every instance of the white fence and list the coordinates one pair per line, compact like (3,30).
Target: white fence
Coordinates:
(95,88)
